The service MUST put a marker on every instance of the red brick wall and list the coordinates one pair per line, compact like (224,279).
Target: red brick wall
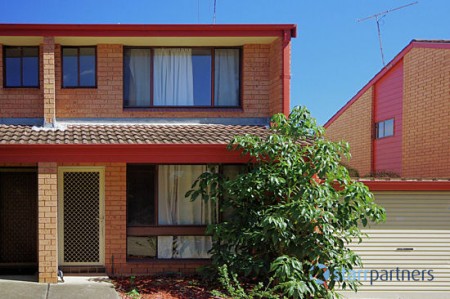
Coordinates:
(355,127)
(426,113)
(276,69)
(107,99)
(388,104)
(47,222)
(261,89)
(20,102)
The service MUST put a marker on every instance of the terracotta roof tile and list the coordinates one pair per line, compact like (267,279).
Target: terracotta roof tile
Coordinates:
(127,134)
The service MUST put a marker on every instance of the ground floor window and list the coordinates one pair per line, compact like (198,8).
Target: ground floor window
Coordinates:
(161,222)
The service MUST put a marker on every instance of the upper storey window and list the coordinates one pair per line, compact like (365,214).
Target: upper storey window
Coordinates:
(385,128)
(181,77)
(79,67)
(21,66)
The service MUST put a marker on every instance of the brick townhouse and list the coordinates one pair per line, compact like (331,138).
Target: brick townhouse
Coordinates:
(398,128)
(103,128)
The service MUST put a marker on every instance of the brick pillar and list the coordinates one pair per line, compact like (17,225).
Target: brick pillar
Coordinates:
(47,223)
(49,81)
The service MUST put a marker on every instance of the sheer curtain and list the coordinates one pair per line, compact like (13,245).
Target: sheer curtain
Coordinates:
(173,77)
(226,90)
(175,209)
(137,89)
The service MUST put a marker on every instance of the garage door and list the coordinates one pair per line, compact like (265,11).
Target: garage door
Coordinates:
(415,237)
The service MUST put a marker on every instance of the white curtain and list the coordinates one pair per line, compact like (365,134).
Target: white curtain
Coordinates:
(175,209)
(173,77)
(139,80)
(226,90)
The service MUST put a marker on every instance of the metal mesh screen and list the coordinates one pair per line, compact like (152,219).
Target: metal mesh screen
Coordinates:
(18,217)
(81,217)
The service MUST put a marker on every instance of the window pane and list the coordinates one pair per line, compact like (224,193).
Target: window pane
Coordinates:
(380,129)
(141,247)
(389,127)
(201,65)
(13,71)
(226,77)
(87,67)
(184,247)
(70,67)
(136,77)
(140,195)
(173,207)
(30,67)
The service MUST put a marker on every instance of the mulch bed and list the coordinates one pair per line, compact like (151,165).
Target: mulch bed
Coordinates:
(164,287)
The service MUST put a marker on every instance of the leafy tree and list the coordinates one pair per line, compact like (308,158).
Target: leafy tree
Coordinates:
(294,209)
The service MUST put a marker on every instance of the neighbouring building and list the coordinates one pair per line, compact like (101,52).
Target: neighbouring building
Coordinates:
(103,128)
(398,128)
(399,122)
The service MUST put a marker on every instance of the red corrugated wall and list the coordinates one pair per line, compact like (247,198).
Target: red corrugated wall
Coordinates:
(388,104)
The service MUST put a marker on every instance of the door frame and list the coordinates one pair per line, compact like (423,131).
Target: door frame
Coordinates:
(61,171)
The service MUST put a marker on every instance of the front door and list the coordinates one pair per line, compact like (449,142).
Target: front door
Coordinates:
(81,216)
(18,220)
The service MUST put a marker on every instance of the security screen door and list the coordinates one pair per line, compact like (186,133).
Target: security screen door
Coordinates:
(81,216)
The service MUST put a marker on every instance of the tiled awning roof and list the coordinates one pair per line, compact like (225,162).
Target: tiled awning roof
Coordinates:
(126,134)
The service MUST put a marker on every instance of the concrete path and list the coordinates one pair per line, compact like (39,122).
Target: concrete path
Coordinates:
(74,287)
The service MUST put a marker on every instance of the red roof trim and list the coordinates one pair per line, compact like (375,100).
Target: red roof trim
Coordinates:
(136,153)
(408,185)
(384,70)
(146,30)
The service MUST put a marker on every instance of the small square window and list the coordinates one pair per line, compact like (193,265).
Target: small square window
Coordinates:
(21,67)
(79,67)
(385,128)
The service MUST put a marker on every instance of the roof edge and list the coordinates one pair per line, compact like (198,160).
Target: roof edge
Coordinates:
(412,44)
(147,29)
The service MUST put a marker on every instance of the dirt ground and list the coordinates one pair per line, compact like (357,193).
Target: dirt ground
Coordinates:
(163,287)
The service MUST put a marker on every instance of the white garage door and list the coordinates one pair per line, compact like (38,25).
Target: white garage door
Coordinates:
(415,237)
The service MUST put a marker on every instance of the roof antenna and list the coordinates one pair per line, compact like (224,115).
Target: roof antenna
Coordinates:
(214,16)
(378,17)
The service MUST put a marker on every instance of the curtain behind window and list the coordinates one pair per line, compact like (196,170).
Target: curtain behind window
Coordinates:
(226,90)
(175,209)
(137,77)
(173,77)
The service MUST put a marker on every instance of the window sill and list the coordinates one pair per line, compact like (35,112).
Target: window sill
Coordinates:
(182,109)
(21,87)
(165,261)
(188,230)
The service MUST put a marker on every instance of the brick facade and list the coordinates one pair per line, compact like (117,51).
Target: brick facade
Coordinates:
(107,99)
(262,94)
(415,90)
(426,113)
(20,102)
(355,127)
(48,88)
(47,222)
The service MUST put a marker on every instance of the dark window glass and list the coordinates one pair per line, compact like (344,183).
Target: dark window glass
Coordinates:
(21,67)
(87,66)
(201,67)
(78,66)
(140,195)
(389,127)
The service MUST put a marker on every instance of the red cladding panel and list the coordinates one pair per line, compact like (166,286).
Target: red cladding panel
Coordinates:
(388,104)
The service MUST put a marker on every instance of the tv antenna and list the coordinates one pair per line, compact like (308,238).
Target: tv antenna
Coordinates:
(378,17)
(214,16)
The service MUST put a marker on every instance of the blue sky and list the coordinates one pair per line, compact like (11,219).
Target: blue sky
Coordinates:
(332,57)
